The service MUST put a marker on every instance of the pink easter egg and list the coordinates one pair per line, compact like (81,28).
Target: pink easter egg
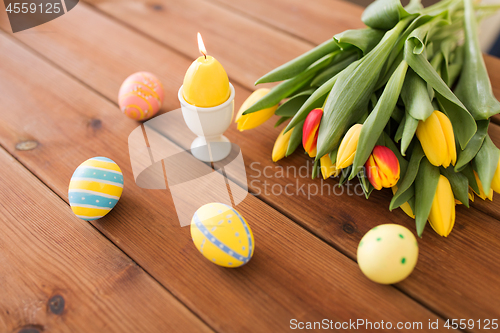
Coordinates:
(140,96)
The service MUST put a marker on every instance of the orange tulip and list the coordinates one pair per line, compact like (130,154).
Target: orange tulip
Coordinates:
(310,131)
(382,168)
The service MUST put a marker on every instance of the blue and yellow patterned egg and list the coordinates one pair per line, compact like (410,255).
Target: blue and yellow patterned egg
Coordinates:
(95,188)
(222,235)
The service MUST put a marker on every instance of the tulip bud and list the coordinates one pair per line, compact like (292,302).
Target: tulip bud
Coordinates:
(442,215)
(252,120)
(481,193)
(406,206)
(495,183)
(347,148)
(281,145)
(310,131)
(382,168)
(328,168)
(437,139)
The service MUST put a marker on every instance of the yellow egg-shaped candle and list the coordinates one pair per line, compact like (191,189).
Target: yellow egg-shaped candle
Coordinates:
(206,83)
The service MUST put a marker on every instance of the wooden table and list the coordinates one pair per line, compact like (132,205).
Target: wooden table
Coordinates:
(137,270)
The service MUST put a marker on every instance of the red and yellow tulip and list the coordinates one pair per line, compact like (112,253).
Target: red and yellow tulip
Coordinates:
(310,131)
(437,139)
(442,215)
(347,148)
(382,168)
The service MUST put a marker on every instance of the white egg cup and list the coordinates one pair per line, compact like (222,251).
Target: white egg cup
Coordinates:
(209,124)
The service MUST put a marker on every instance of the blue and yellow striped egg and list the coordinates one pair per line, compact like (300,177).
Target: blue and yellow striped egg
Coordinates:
(222,235)
(95,188)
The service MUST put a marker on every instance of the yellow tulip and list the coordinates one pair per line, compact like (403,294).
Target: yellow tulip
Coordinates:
(495,184)
(442,215)
(481,193)
(281,145)
(406,206)
(437,139)
(252,120)
(347,148)
(328,168)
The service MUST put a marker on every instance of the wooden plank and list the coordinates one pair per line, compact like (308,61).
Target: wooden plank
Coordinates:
(58,271)
(312,21)
(337,219)
(291,269)
(238,42)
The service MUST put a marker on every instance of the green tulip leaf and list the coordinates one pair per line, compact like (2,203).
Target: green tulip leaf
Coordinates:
(349,97)
(405,184)
(344,175)
(316,98)
(459,184)
(364,39)
(425,189)
(315,169)
(281,121)
(468,172)
(455,67)
(365,183)
(334,69)
(299,64)
(416,96)
(397,114)
(333,156)
(409,130)
(290,107)
(485,163)
(474,86)
(462,121)
(378,118)
(295,138)
(287,88)
(447,46)
(470,151)
(384,14)
(403,164)
(400,129)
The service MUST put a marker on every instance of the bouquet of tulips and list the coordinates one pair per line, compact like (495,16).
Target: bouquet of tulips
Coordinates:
(404,103)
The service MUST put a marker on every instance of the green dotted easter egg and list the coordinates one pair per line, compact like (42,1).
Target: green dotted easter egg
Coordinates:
(388,253)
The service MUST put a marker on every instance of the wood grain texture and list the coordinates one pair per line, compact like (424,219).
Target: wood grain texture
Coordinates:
(335,219)
(59,274)
(338,219)
(312,21)
(293,274)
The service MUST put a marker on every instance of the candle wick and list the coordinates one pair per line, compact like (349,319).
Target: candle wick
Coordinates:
(205,56)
